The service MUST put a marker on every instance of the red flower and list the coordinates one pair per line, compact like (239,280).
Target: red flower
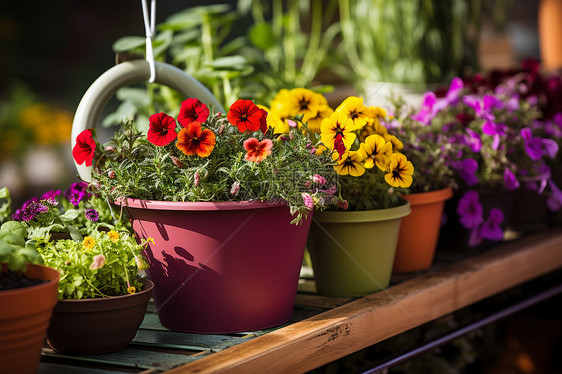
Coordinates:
(245,114)
(192,140)
(84,148)
(339,146)
(263,121)
(257,150)
(162,129)
(192,110)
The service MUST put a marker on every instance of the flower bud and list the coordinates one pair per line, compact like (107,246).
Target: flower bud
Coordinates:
(196,179)
(221,129)
(109,149)
(176,161)
(111,174)
(235,188)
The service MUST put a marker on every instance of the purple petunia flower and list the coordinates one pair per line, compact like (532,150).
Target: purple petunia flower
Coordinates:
(475,237)
(427,112)
(467,169)
(510,181)
(473,140)
(537,147)
(76,192)
(491,228)
(50,195)
(554,201)
(92,214)
(470,210)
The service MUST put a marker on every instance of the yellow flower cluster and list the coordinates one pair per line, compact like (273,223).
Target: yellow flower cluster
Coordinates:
(299,101)
(356,126)
(49,125)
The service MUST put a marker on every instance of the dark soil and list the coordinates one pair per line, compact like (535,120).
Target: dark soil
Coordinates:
(10,280)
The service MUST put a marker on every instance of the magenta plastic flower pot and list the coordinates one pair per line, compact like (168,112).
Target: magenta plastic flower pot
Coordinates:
(221,267)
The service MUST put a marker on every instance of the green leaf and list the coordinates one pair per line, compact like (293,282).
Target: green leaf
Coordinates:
(69,215)
(13,232)
(128,43)
(229,62)
(17,262)
(5,248)
(4,193)
(262,36)
(74,233)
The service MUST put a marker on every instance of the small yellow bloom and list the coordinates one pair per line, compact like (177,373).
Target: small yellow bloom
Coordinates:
(396,143)
(400,171)
(353,108)
(88,242)
(320,149)
(114,236)
(131,290)
(337,124)
(376,113)
(350,164)
(375,150)
(314,123)
(308,102)
(150,240)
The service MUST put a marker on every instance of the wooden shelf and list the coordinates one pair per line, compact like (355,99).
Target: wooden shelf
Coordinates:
(325,329)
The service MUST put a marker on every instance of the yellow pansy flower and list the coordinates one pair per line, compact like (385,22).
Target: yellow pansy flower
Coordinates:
(308,102)
(337,124)
(400,171)
(88,242)
(349,164)
(284,104)
(396,143)
(131,290)
(314,123)
(353,108)
(375,150)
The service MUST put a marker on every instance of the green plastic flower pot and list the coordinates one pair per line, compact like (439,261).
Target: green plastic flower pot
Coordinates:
(352,253)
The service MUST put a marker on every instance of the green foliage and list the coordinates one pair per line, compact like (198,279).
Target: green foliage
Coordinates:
(194,40)
(291,43)
(81,274)
(6,207)
(409,41)
(14,249)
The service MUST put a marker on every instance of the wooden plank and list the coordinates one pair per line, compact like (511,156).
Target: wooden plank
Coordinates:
(305,345)
(127,358)
(179,340)
(52,368)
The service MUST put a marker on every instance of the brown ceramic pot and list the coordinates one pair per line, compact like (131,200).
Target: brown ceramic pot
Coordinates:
(24,317)
(100,325)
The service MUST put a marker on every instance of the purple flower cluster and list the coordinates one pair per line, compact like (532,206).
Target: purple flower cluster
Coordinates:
(92,214)
(76,192)
(30,209)
(470,213)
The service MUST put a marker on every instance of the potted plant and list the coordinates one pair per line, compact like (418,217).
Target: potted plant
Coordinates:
(228,203)
(430,153)
(498,149)
(352,248)
(406,47)
(102,299)
(28,294)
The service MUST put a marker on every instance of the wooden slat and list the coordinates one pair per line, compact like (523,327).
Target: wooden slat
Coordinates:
(195,342)
(128,358)
(52,368)
(305,345)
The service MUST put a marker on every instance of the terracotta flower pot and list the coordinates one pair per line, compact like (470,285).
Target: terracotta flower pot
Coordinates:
(352,252)
(221,267)
(24,318)
(99,325)
(419,231)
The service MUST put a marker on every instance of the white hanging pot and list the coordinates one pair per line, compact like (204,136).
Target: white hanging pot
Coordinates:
(124,74)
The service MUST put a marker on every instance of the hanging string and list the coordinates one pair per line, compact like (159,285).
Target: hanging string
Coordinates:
(149,26)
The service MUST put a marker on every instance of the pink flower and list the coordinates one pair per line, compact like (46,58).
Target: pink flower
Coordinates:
(99,261)
(196,178)
(308,202)
(111,174)
(235,188)
(320,180)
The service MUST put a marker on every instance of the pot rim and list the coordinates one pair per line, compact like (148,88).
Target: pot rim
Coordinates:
(148,285)
(422,198)
(375,215)
(200,205)
(47,279)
